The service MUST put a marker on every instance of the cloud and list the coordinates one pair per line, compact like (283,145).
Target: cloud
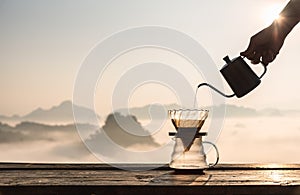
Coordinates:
(74,150)
(11,136)
(240,125)
(30,141)
(31,131)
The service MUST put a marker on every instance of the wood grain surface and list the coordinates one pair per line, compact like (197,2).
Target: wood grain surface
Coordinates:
(24,178)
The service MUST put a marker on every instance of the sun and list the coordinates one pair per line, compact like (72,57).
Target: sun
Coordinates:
(272,13)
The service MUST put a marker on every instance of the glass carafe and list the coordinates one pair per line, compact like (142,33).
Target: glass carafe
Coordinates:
(188,150)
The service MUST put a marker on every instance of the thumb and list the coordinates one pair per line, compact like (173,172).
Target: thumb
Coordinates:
(250,50)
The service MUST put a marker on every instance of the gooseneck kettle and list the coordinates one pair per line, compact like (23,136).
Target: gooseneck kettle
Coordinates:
(240,77)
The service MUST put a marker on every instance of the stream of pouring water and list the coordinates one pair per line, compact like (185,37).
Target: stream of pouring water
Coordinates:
(195,99)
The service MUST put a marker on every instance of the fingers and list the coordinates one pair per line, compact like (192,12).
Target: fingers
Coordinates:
(265,57)
(249,52)
(256,50)
(268,57)
(252,53)
(264,46)
(254,57)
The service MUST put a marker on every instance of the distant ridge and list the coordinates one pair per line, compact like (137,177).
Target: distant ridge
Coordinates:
(158,111)
(60,114)
(63,113)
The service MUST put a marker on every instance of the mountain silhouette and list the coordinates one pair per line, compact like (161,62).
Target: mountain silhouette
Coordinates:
(60,114)
(63,113)
(123,132)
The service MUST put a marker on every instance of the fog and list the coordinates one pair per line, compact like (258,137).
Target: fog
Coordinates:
(242,140)
(260,139)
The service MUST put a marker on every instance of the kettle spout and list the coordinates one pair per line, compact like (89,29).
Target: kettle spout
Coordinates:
(215,89)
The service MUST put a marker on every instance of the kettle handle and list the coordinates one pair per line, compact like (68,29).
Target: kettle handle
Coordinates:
(264,71)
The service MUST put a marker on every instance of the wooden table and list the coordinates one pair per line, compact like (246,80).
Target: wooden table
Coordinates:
(228,179)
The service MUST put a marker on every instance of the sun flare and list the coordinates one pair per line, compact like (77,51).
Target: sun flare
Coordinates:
(272,13)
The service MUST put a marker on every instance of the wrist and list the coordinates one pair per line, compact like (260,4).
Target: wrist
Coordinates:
(289,17)
(283,26)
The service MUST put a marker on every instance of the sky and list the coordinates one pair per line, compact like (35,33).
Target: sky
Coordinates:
(44,43)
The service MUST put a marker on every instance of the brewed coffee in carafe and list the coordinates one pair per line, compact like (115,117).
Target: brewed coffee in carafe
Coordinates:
(188,151)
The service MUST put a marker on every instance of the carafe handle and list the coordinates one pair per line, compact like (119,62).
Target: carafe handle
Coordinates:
(210,165)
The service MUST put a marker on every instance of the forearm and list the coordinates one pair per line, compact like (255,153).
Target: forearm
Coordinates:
(290,15)
(291,10)
(289,18)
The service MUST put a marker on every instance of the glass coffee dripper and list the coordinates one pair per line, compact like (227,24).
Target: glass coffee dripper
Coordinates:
(188,150)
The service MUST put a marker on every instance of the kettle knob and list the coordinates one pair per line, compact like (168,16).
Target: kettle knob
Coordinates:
(227,60)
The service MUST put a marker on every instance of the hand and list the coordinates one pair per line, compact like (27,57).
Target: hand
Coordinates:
(265,45)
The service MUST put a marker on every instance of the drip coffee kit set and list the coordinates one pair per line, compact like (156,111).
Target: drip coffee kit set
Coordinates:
(188,152)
